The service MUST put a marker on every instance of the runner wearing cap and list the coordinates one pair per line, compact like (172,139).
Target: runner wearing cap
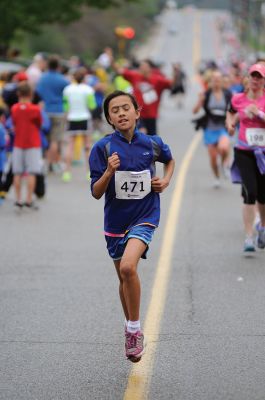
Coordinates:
(249,162)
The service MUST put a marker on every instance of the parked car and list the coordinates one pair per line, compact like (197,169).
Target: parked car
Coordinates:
(6,66)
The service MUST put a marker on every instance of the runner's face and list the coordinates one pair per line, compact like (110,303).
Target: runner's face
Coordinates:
(217,80)
(226,83)
(122,114)
(145,68)
(256,81)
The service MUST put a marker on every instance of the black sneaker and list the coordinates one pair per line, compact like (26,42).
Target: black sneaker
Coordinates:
(31,206)
(18,206)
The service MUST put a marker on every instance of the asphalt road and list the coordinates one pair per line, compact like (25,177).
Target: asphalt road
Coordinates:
(61,325)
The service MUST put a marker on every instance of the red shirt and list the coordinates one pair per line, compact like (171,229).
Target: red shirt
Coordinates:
(27,122)
(147,91)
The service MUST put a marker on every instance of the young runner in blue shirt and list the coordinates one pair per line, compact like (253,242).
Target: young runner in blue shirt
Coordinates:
(122,167)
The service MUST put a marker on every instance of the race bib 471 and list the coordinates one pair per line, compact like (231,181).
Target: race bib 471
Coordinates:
(131,185)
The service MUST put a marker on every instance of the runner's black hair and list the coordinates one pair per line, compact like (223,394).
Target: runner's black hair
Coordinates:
(111,96)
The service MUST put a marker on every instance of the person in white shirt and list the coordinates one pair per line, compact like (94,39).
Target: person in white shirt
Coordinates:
(36,69)
(79,100)
(105,58)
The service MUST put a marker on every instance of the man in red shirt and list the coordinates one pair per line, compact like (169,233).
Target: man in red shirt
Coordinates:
(148,86)
(26,157)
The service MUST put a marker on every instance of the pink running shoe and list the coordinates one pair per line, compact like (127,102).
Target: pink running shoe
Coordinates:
(134,346)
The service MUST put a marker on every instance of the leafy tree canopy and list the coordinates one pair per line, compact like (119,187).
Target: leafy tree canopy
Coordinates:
(29,15)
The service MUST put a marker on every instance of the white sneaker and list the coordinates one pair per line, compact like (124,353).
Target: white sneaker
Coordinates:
(249,246)
(226,172)
(57,168)
(216,183)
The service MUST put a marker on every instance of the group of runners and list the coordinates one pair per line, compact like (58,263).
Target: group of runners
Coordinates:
(234,105)
(50,107)
(132,189)
(127,178)
(122,164)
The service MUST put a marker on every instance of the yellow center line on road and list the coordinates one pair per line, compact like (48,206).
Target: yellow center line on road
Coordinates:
(139,379)
(140,375)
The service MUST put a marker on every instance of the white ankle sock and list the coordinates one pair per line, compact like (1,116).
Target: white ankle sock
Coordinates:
(133,326)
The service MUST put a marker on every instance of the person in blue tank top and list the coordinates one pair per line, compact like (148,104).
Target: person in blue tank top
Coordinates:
(122,167)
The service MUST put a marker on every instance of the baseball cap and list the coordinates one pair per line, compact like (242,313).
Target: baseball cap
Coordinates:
(257,68)
(20,76)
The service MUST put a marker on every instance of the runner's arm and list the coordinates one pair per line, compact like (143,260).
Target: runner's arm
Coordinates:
(117,68)
(101,185)
(160,184)
(66,105)
(91,101)
(231,121)
(256,112)
(232,117)
(199,103)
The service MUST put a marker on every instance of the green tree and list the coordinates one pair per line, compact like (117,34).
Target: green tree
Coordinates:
(30,15)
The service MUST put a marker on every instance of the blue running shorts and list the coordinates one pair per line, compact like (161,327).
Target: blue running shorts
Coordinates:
(116,245)
(212,136)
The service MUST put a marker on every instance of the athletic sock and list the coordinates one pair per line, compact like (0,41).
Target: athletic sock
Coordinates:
(133,326)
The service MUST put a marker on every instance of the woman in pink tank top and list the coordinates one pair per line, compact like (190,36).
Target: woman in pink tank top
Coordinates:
(249,161)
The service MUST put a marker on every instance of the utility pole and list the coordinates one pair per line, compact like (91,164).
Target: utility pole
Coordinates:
(240,10)
(257,21)
(245,18)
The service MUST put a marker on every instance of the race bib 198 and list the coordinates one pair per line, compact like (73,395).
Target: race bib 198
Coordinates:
(255,136)
(130,185)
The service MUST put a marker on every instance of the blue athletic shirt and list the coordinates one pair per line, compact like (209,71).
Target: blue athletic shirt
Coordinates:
(138,155)
(50,88)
